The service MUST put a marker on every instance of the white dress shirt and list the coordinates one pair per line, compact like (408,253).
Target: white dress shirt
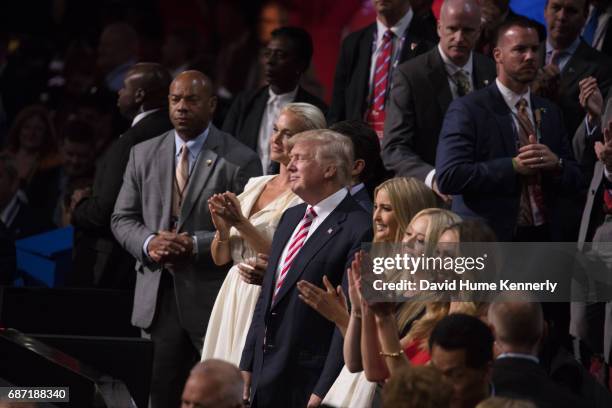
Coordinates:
(511,98)
(142,115)
(275,104)
(566,53)
(323,208)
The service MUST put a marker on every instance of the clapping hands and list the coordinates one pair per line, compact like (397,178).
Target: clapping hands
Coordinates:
(225,211)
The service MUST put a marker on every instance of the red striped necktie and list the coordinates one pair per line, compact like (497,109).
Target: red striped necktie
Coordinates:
(294,247)
(376,111)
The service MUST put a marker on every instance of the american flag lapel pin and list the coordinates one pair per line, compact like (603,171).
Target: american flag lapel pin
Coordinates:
(413,46)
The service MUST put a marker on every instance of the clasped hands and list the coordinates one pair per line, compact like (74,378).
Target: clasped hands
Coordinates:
(169,248)
(225,211)
(533,157)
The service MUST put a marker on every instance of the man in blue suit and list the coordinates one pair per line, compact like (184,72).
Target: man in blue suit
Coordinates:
(504,152)
(292,353)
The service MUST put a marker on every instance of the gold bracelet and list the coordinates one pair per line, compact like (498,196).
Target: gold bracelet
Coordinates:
(394,355)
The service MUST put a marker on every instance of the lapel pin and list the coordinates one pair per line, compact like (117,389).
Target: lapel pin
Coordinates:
(413,46)
(208,162)
(329,231)
(486,82)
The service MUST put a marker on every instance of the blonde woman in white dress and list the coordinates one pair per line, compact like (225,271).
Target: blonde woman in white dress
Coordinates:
(245,226)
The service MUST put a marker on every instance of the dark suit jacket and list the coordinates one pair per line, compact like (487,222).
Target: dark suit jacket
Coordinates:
(474,161)
(585,62)
(244,117)
(303,350)
(606,47)
(95,247)
(363,199)
(352,80)
(525,379)
(415,111)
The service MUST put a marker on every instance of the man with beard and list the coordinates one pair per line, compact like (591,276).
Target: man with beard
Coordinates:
(252,115)
(504,152)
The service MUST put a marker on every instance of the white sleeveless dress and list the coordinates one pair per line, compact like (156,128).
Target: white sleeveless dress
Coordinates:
(233,310)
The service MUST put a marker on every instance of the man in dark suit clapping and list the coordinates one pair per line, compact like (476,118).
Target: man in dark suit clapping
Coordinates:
(292,353)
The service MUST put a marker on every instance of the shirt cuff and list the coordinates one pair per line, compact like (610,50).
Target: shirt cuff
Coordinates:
(195,246)
(589,130)
(607,174)
(430,178)
(146,245)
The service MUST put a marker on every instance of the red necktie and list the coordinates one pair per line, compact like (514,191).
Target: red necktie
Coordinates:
(532,209)
(294,247)
(375,116)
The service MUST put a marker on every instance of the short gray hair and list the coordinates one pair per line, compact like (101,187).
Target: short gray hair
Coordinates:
(310,116)
(330,146)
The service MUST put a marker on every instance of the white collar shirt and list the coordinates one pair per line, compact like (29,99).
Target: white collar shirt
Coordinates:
(452,69)
(323,209)
(399,29)
(142,115)
(276,102)
(511,98)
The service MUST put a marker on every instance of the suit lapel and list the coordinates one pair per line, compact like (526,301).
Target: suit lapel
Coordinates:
(503,116)
(326,231)
(437,76)
(165,177)
(362,73)
(253,121)
(202,169)
(282,235)
(575,67)
(481,78)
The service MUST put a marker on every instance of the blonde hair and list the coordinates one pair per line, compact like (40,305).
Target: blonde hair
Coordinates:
(408,196)
(309,115)
(439,220)
(500,402)
(331,147)
(418,387)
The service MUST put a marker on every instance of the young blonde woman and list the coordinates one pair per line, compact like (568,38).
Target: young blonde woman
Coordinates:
(396,201)
(245,226)
(382,325)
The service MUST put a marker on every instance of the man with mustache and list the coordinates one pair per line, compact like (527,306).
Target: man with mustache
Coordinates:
(504,152)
